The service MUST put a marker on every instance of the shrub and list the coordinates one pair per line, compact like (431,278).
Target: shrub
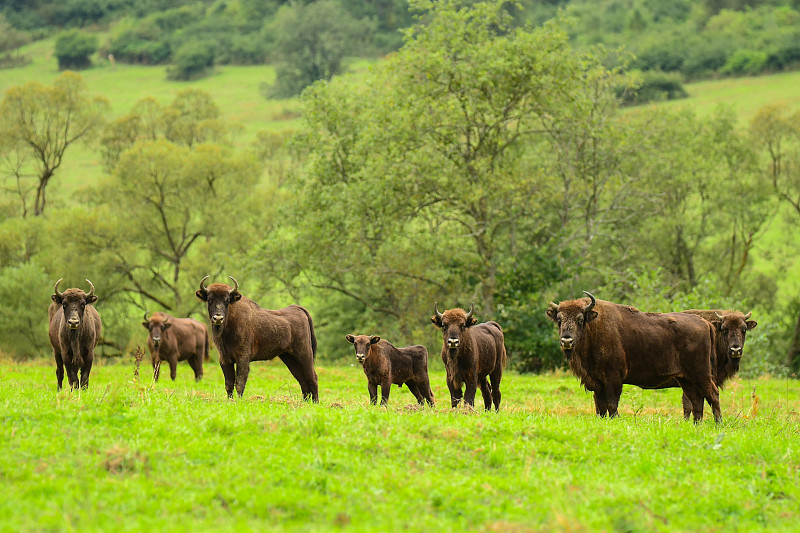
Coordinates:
(743,62)
(192,60)
(73,49)
(655,86)
(705,57)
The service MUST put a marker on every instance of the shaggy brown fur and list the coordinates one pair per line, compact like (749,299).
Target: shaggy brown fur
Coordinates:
(74,330)
(731,331)
(173,339)
(608,345)
(244,332)
(385,365)
(470,353)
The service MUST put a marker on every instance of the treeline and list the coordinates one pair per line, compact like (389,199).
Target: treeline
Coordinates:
(482,162)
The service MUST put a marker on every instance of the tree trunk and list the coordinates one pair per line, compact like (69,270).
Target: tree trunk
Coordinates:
(41,199)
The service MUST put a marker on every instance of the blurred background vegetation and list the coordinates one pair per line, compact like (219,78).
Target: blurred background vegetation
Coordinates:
(366,159)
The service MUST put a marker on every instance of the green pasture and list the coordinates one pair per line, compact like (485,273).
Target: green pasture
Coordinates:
(129,455)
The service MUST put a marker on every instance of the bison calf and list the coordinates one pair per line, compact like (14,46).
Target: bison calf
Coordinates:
(385,365)
(244,332)
(608,345)
(173,339)
(470,353)
(74,331)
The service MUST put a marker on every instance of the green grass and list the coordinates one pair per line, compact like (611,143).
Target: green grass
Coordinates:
(175,456)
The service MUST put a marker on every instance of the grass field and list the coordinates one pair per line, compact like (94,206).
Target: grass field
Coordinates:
(132,456)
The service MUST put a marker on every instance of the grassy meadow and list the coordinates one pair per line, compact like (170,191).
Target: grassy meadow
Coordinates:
(132,455)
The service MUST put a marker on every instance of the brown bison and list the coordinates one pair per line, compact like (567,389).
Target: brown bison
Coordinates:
(74,331)
(608,345)
(176,339)
(731,330)
(470,353)
(385,365)
(244,332)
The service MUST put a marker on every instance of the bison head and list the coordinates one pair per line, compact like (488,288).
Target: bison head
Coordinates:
(362,344)
(732,329)
(453,323)
(571,317)
(73,302)
(156,325)
(218,296)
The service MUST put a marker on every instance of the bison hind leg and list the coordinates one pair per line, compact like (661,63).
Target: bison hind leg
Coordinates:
(414,388)
(486,391)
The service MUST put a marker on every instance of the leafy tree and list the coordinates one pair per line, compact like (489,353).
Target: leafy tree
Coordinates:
(73,48)
(11,40)
(41,122)
(194,59)
(311,41)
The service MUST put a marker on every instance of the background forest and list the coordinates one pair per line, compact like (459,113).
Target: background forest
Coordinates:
(445,151)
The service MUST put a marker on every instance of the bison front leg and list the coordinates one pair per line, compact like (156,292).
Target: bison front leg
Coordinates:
(455,392)
(85,371)
(373,392)
(59,369)
(600,403)
(470,389)
(242,372)
(173,367)
(229,372)
(613,391)
(72,376)
(386,388)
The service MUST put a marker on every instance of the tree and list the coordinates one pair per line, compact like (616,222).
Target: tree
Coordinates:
(310,42)
(73,48)
(11,40)
(44,121)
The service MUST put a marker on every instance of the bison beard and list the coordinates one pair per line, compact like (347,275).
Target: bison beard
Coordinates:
(74,330)
(385,365)
(244,332)
(608,345)
(470,353)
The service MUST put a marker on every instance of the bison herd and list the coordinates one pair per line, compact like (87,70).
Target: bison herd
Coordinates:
(606,345)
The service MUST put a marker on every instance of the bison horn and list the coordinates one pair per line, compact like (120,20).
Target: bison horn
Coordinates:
(202,284)
(166,319)
(471,310)
(235,285)
(748,315)
(718,315)
(591,305)
(91,291)
(436,310)
(58,293)
(145,316)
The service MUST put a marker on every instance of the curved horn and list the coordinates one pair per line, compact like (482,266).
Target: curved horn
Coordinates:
(436,310)
(235,285)
(202,284)
(591,305)
(145,316)
(58,293)
(166,320)
(748,315)
(718,315)
(91,291)
(471,310)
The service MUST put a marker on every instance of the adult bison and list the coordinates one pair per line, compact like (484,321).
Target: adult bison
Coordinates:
(74,331)
(608,345)
(244,332)
(385,365)
(173,339)
(731,330)
(470,353)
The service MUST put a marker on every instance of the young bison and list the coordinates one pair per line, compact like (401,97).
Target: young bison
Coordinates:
(384,365)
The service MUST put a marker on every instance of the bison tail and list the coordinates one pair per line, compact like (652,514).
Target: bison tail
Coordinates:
(313,336)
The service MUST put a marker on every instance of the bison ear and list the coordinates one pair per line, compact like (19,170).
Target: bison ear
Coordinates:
(471,321)
(436,321)
(374,339)
(91,299)
(235,296)
(552,312)
(591,315)
(351,339)
(203,295)
(751,324)
(166,325)
(717,325)
(146,325)
(56,298)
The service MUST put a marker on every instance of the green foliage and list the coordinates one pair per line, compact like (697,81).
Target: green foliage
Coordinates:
(654,86)
(137,41)
(24,331)
(11,40)
(194,59)
(310,41)
(745,62)
(73,48)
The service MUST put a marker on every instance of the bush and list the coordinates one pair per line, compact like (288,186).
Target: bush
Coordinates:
(654,87)
(785,56)
(138,42)
(705,57)
(73,49)
(194,59)
(744,62)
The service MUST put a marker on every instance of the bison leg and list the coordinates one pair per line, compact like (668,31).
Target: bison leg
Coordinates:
(693,398)
(85,371)
(173,367)
(386,388)
(196,362)
(600,403)
(59,368)
(425,389)
(455,393)
(373,392)
(306,377)
(242,372)
(496,377)
(470,388)
(414,388)
(72,376)
(711,394)
(229,371)
(613,390)
(486,391)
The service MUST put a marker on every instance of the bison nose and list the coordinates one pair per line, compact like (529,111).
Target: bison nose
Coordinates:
(217,319)
(156,340)
(736,351)
(567,343)
(360,357)
(452,343)
(74,323)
